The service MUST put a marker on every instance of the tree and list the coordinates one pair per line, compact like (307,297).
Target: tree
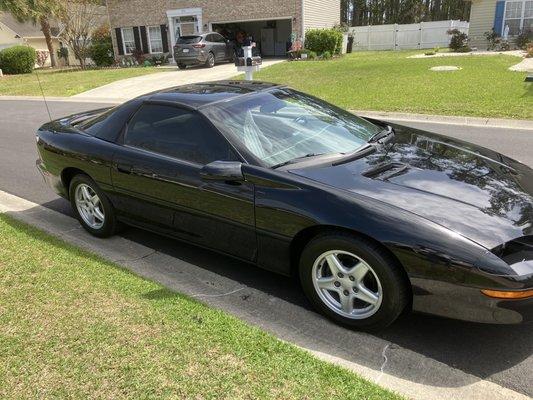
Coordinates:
(36,11)
(79,19)
(378,12)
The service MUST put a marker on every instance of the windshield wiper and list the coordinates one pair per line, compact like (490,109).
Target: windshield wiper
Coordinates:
(381,135)
(296,159)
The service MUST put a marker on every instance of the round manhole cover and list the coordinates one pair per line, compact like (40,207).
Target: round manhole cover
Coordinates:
(445,68)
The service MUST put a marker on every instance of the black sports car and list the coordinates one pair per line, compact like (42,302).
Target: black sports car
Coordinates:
(374,218)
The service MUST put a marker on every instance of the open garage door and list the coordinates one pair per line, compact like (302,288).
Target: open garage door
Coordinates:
(271,36)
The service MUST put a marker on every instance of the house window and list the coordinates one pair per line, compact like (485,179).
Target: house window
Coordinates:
(518,16)
(128,39)
(155,41)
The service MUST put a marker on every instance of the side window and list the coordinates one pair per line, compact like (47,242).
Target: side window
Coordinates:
(177,133)
(210,38)
(218,38)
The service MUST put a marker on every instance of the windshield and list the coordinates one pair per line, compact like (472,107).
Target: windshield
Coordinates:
(282,125)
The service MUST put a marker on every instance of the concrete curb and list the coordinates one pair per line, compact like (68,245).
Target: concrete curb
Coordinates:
(448,120)
(393,364)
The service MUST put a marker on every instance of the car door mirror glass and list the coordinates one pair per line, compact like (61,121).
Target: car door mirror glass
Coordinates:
(222,171)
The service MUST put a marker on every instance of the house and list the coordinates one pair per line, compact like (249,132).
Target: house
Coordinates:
(13,32)
(486,15)
(154,25)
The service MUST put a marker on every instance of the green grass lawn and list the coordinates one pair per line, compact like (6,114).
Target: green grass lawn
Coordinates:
(74,325)
(389,81)
(67,82)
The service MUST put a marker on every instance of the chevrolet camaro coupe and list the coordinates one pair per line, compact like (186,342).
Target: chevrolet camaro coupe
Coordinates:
(373,218)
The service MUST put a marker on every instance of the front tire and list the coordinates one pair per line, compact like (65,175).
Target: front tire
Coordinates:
(353,281)
(91,206)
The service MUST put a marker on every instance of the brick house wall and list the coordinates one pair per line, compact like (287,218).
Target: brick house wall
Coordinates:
(140,13)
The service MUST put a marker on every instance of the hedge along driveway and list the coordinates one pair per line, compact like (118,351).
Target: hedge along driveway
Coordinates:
(389,81)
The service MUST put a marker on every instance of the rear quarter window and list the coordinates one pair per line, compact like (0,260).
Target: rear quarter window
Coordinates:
(108,126)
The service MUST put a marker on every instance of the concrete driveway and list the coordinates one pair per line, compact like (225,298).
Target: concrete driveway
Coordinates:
(126,89)
(420,356)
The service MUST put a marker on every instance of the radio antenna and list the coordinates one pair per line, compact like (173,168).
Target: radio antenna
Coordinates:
(42,91)
(44,97)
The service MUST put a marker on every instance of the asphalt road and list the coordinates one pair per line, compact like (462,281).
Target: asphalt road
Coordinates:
(501,354)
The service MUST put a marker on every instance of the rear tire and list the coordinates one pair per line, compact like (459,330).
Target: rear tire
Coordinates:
(182,66)
(210,62)
(91,206)
(364,289)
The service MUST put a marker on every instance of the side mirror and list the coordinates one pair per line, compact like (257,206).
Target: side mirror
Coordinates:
(222,171)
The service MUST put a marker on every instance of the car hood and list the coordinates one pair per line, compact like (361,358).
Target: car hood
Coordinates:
(473,191)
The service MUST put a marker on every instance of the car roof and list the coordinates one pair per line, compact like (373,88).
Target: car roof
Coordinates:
(197,95)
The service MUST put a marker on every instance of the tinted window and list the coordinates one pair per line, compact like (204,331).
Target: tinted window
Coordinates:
(210,38)
(177,133)
(188,39)
(108,125)
(217,38)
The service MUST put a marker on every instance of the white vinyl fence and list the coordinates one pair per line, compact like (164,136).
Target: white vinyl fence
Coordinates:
(424,35)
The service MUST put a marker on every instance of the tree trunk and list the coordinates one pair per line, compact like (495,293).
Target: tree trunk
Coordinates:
(45,26)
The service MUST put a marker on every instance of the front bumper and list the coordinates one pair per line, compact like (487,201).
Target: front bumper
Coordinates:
(468,303)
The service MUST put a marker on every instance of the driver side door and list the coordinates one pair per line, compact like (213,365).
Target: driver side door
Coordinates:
(156,178)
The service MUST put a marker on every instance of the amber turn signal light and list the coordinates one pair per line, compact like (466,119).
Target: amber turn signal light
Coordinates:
(500,294)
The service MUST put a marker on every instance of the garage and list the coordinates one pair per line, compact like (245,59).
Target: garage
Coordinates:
(273,37)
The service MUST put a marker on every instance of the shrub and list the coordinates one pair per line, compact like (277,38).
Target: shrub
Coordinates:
(529,50)
(102,54)
(493,39)
(42,56)
(101,50)
(525,37)
(459,41)
(505,45)
(311,55)
(322,40)
(18,60)
(326,55)
(159,59)
(139,56)
(63,52)
(102,34)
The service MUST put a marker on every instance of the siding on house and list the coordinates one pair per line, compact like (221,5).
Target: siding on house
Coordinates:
(481,21)
(321,13)
(8,37)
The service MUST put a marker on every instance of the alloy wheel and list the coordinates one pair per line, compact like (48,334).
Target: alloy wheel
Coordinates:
(347,284)
(89,206)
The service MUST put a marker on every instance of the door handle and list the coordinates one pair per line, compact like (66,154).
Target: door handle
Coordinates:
(124,168)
